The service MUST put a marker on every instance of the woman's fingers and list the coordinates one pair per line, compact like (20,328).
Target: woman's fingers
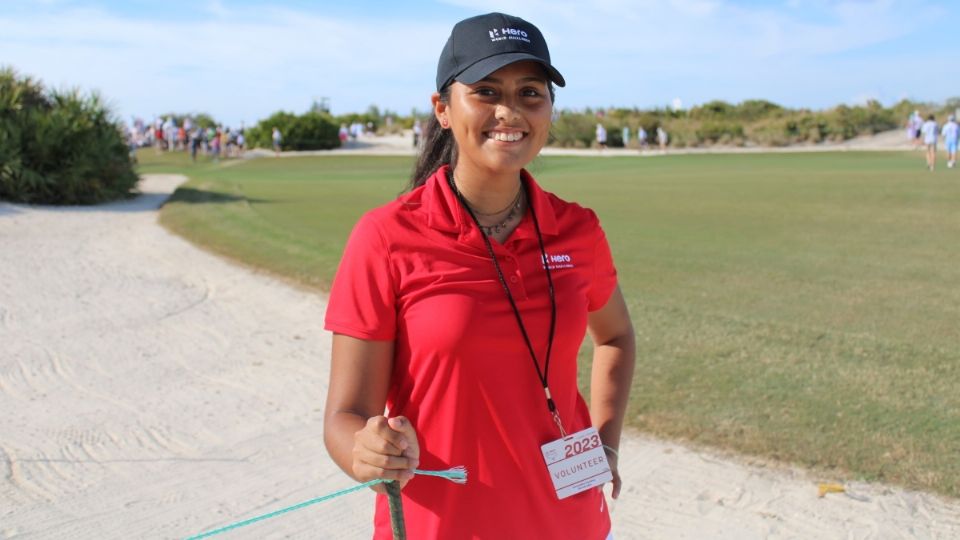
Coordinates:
(402,425)
(377,435)
(384,461)
(386,449)
(614,461)
(617,484)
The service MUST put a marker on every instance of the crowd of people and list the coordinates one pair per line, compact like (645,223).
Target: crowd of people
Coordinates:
(643,142)
(165,135)
(925,134)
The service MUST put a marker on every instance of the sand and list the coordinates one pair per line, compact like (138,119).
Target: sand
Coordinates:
(149,389)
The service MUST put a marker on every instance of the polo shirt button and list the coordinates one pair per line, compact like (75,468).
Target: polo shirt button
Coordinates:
(513,279)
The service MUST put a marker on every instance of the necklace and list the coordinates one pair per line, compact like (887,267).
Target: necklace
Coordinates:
(541,374)
(513,207)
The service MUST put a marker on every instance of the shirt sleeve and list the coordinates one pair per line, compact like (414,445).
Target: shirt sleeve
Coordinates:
(604,272)
(362,301)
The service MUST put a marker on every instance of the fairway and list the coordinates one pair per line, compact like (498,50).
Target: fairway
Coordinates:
(801,307)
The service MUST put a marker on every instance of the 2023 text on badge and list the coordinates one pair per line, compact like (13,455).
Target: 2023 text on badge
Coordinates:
(577,462)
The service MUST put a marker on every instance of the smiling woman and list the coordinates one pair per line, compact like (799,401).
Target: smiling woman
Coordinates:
(452,303)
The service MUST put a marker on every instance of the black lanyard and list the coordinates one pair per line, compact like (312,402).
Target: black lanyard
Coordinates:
(542,375)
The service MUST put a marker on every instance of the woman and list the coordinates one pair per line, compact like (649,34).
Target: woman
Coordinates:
(461,306)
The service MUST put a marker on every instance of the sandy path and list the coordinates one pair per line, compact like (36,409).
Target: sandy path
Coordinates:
(151,390)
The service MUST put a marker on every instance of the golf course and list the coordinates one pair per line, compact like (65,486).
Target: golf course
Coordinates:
(795,307)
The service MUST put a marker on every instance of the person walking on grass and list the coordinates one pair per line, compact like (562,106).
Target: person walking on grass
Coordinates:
(662,138)
(930,131)
(914,125)
(642,138)
(950,130)
(518,275)
(601,136)
(276,137)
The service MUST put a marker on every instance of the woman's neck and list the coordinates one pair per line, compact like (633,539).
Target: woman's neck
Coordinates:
(485,193)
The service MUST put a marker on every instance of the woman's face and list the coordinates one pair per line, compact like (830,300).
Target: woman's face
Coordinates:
(501,122)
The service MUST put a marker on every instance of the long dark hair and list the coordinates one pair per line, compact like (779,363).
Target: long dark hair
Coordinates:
(438,147)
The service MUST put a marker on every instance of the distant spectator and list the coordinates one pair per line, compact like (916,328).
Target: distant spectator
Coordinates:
(344,134)
(241,143)
(158,136)
(930,130)
(215,144)
(170,133)
(662,137)
(950,130)
(625,134)
(417,132)
(642,137)
(276,136)
(196,140)
(601,136)
(914,123)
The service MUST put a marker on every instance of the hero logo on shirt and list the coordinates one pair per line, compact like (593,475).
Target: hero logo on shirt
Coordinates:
(500,34)
(557,261)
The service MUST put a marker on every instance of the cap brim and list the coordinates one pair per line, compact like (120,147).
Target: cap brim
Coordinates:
(483,68)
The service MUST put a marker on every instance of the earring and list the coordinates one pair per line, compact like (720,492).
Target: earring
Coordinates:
(443,123)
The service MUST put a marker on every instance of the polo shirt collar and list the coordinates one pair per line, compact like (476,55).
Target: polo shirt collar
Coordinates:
(444,212)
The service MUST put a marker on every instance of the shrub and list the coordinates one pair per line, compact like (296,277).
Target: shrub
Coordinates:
(310,131)
(573,130)
(755,109)
(717,131)
(59,147)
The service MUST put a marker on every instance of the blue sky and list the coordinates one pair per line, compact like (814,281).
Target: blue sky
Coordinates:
(242,60)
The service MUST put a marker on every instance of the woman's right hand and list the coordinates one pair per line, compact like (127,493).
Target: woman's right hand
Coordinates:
(386,448)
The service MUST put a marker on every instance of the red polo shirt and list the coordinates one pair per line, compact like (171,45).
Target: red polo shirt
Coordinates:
(416,271)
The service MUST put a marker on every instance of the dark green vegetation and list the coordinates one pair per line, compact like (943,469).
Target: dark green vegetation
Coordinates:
(313,130)
(801,307)
(59,147)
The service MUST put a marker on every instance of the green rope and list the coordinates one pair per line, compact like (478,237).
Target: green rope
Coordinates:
(457,475)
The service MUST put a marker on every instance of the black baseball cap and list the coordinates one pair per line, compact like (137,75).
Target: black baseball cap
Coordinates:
(480,45)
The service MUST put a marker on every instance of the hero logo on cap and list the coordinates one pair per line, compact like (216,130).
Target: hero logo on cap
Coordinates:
(480,45)
(500,34)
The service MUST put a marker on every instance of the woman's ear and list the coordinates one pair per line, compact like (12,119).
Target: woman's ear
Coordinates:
(440,110)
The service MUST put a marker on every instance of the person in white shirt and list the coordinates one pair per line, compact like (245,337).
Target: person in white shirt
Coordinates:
(913,128)
(929,132)
(276,136)
(601,136)
(642,137)
(662,138)
(950,133)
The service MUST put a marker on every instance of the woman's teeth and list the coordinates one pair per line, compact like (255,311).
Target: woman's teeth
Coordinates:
(506,137)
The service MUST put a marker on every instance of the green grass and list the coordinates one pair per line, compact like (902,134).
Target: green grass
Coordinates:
(801,307)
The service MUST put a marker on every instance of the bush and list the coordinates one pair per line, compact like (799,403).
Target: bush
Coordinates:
(573,130)
(311,131)
(716,131)
(59,147)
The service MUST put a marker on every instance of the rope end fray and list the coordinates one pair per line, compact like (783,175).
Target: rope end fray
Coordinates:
(457,475)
